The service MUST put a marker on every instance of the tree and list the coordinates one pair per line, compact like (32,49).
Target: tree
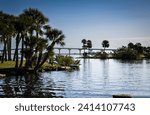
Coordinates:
(6,34)
(21,25)
(35,32)
(89,44)
(139,48)
(125,53)
(56,37)
(84,44)
(37,38)
(105,44)
(131,45)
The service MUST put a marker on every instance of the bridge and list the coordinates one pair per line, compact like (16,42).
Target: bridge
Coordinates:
(71,51)
(91,50)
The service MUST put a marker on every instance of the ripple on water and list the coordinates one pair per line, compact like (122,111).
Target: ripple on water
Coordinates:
(96,78)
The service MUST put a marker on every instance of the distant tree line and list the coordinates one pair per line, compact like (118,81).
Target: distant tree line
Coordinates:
(132,51)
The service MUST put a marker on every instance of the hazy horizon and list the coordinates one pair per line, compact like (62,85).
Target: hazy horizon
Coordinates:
(118,21)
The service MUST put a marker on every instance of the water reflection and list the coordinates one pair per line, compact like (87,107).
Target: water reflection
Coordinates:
(28,86)
(105,73)
(96,78)
(7,88)
(130,61)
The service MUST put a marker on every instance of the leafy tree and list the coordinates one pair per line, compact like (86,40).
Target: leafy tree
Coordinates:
(64,60)
(125,53)
(139,48)
(131,45)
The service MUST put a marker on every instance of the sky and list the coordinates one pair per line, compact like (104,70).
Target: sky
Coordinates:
(118,21)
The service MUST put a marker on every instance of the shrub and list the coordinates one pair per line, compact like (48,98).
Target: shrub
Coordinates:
(64,60)
(101,55)
(125,53)
(147,55)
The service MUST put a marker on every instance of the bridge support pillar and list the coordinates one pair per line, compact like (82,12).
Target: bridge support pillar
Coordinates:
(79,51)
(69,51)
(59,51)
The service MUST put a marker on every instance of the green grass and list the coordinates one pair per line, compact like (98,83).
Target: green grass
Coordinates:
(49,66)
(9,64)
(46,66)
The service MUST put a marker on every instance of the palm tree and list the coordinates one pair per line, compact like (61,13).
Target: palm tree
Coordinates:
(39,20)
(84,46)
(20,27)
(89,44)
(105,44)
(6,33)
(56,37)
(11,30)
(38,23)
(41,46)
(84,43)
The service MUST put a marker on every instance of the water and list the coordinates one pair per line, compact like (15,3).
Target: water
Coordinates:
(96,78)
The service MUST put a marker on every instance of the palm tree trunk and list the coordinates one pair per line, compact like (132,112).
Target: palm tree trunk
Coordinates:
(22,49)
(19,39)
(9,49)
(36,50)
(39,60)
(17,45)
(50,48)
(5,52)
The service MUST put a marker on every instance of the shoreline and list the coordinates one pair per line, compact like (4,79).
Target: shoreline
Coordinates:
(6,72)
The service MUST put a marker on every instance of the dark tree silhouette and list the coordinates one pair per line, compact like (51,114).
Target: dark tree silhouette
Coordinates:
(131,45)
(105,44)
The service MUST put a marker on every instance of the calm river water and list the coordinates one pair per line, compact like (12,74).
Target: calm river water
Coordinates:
(96,78)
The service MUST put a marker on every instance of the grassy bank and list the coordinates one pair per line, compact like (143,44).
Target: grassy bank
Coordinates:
(7,64)
(11,64)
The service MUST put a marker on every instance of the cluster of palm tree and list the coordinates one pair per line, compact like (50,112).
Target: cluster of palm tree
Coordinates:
(34,37)
(87,44)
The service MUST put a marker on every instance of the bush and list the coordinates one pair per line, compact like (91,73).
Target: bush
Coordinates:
(104,55)
(101,55)
(64,60)
(125,53)
(147,55)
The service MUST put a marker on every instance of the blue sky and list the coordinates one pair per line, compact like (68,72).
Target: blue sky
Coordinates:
(119,21)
